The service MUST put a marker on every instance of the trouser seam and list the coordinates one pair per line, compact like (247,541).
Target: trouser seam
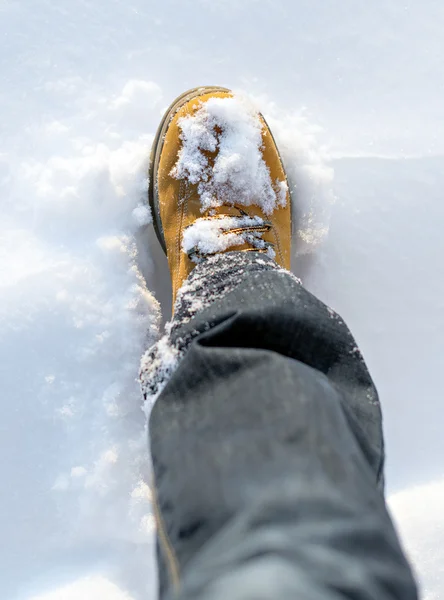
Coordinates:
(165,544)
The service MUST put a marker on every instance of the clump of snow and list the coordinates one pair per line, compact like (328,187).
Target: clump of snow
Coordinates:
(156,367)
(138,93)
(135,106)
(282,192)
(142,215)
(208,236)
(88,588)
(231,129)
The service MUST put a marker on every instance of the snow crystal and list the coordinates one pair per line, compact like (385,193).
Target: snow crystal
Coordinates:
(232,128)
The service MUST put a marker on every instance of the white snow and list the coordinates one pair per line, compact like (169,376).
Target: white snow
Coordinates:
(208,236)
(238,175)
(90,588)
(418,514)
(83,88)
(163,365)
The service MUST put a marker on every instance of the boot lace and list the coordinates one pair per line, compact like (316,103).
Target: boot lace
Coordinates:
(216,233)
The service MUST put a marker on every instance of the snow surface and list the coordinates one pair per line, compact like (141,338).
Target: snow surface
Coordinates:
(83,88)
(238,175)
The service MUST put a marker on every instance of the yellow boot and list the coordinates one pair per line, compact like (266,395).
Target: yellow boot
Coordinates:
(217,182)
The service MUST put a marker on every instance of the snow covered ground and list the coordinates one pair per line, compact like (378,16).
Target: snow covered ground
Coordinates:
(353,91)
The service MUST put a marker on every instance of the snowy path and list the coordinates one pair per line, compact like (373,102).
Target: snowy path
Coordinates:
(83,87)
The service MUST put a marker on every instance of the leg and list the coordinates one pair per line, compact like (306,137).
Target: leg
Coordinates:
(267,446)
(266,439)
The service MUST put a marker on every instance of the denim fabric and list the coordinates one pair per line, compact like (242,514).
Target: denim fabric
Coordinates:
(267,446)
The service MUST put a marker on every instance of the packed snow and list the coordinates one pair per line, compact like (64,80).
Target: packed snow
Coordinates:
(353,95)
(237,174)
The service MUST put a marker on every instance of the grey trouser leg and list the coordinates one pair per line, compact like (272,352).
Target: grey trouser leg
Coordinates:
(267,446)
